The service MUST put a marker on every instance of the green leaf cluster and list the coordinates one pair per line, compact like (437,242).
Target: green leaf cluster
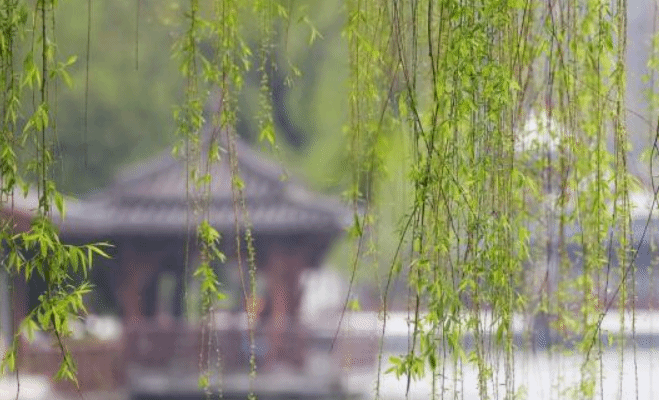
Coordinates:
(27,129)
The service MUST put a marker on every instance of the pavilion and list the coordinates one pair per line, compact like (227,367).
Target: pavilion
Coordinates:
(146,215)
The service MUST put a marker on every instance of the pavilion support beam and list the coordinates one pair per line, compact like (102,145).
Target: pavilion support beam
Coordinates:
(19,301)
(138,269)
(283,270)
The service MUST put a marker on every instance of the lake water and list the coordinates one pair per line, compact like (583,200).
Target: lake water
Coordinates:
(541,375)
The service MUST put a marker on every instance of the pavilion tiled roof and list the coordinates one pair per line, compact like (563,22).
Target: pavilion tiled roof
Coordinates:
(151,197)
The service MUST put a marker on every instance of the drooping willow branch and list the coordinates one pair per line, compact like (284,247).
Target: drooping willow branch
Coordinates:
(37,251)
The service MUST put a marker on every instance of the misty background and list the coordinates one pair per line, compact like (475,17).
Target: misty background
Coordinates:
(134,85)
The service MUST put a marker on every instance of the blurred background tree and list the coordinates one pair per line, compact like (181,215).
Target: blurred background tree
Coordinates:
(129,104)
(134,85)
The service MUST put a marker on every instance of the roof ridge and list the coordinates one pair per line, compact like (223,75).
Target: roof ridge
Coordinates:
(255,161)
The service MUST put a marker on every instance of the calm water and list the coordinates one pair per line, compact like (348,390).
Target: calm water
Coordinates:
(541,375)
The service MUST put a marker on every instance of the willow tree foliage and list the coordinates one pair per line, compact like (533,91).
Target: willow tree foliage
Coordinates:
(32,73)
(450,87)
(495,205)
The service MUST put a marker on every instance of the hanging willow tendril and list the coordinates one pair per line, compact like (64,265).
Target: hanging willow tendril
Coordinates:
(38,251)
(225,74)
(495,210)
(194,68)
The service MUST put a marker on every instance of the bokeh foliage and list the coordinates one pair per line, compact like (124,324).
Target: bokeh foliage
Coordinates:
(134,85)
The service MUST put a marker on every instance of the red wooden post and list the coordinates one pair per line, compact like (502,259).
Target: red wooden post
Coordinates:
(283,270)
(137,269)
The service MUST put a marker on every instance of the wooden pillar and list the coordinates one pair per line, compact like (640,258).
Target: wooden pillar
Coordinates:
(179,295)
(138,269)
(6,318)
(19,300)
(283,270)
(15,286)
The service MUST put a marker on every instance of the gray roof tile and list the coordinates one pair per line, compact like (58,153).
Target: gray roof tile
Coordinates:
(151,197)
